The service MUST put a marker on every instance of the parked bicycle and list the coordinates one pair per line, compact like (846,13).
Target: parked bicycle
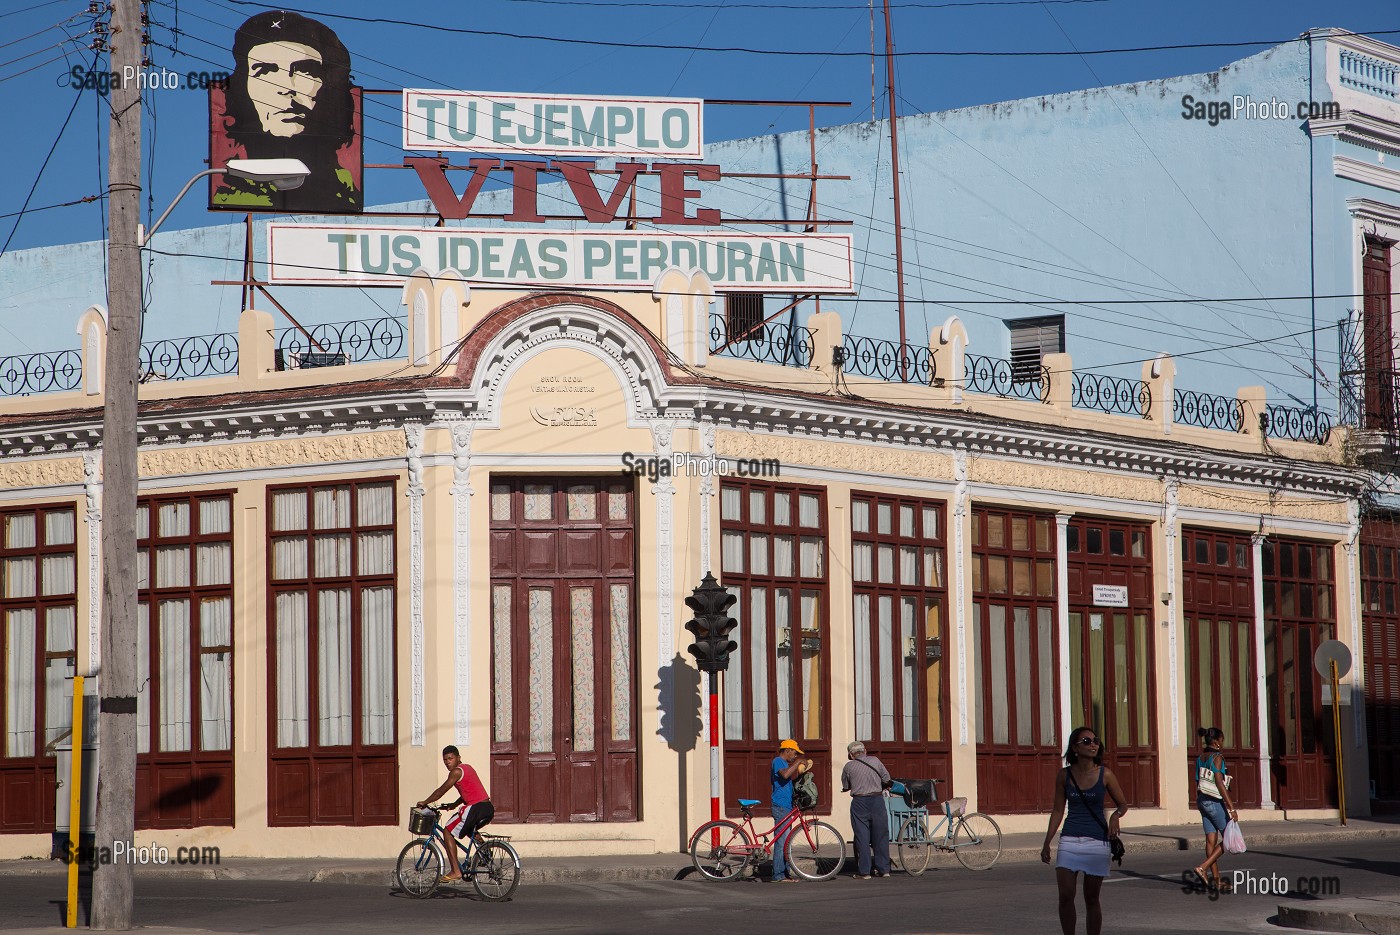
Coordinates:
(974,838)
(722,850)
(488,860)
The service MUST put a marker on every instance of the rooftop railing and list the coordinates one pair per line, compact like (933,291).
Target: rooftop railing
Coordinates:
(1207,411)
(42,372)
(787,345)
(888,360)
(208,355)
(1002,378)
(1115,395)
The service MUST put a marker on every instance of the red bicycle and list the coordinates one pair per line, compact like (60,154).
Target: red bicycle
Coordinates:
(722,850)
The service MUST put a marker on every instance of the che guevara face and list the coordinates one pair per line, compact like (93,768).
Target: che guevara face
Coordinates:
(283,81)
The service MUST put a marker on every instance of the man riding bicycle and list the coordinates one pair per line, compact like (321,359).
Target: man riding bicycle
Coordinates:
(474,810)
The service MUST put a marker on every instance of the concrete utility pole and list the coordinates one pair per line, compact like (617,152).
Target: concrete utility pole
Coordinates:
(116,786)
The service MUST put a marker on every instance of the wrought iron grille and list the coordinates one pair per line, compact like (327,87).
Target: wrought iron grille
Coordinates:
(1116,395)
(887,360)
(179,358)
(1303,425)
(788,346)
(990,375)
(344,342)
(1208,411)
(42,372)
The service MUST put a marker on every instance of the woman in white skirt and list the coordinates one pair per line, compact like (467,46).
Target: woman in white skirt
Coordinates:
(1084,846)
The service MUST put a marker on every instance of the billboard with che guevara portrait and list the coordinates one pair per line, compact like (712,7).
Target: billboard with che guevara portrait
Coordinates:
(288,96)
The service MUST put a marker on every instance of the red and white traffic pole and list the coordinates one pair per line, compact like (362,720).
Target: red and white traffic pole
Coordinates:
(714,754)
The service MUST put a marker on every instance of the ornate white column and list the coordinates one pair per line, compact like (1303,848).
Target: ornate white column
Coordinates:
(1171,529)
(664,490)
(461,576)
(1062,617)
(1261,688)
(92,489)
(961,503)
(1352,546)
(413,438)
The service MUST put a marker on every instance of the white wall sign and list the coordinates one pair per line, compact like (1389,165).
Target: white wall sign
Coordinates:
(1110,595)
(386,256)
(552,124)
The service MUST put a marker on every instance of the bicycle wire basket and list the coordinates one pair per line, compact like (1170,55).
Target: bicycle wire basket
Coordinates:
(421,820)
(955,807)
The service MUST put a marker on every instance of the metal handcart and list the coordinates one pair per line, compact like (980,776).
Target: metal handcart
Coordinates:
(973,837)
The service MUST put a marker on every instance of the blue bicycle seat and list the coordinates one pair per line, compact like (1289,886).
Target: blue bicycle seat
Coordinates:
(748,803)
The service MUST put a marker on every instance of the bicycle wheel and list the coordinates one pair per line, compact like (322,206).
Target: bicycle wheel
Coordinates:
(816,851)
(419,868)
(495,870)
(977,841)
(913,845)
(724,857)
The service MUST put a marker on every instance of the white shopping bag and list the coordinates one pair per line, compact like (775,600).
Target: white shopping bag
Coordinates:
(1234,838)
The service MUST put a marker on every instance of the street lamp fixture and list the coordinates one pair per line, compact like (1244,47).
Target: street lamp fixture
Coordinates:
(281,174)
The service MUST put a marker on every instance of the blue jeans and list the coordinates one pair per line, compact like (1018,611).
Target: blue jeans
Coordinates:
(780,845)
(871,824)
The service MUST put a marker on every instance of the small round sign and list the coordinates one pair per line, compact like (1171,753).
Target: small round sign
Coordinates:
(1329,650)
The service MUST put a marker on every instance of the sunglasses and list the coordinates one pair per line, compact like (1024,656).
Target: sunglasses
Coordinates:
(1089,741)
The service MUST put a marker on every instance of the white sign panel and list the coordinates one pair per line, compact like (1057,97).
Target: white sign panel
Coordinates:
(507,258)
(1110,595)
(552,124)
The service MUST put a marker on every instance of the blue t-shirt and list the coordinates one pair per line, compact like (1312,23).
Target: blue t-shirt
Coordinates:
(782,788)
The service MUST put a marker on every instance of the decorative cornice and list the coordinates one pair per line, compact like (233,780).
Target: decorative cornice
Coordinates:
(1367,173)
(1360,129)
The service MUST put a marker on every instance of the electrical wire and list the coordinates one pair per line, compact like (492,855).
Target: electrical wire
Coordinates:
(745,50)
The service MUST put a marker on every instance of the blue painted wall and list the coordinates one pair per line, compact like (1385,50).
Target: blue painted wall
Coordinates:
(1105,195)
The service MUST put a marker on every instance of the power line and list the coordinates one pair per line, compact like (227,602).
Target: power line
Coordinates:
(66,204)
(20,215)
(1055,53)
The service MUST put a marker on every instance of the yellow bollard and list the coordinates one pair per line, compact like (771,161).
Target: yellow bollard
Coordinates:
(75,803)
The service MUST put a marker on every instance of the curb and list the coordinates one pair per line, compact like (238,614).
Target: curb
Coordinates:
(662,867)
(1376,917)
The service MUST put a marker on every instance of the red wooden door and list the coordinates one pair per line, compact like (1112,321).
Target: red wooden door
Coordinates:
(563,578)
(1218,604)
(1016,658)
(1299,615)
(1110,648)
(1380,613)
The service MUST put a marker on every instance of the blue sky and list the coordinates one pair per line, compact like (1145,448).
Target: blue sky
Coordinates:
(36,94)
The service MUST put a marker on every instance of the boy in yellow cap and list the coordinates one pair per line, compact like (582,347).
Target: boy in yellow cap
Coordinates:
(782,771)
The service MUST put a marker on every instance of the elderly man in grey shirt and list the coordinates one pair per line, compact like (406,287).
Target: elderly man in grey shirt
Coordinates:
(865,778)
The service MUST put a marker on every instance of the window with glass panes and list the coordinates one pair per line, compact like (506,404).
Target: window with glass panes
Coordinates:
(38,653)
(898,570)
(332,622)
(1015,657)
(1013,588)
(773,559)
(184,722)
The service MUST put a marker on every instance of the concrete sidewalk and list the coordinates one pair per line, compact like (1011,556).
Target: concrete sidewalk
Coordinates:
(1377,915)
(1016,848)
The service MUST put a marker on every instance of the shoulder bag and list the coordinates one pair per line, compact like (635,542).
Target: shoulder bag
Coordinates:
(1116,848)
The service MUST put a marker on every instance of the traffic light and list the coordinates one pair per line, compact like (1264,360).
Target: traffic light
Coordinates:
(711,625)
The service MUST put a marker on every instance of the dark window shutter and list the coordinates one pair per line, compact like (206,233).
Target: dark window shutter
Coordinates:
(743,316)
(1031,340)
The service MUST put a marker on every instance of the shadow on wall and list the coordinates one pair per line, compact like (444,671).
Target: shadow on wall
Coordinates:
(678,697)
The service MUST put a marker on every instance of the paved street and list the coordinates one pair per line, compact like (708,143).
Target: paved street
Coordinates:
(1147,897)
